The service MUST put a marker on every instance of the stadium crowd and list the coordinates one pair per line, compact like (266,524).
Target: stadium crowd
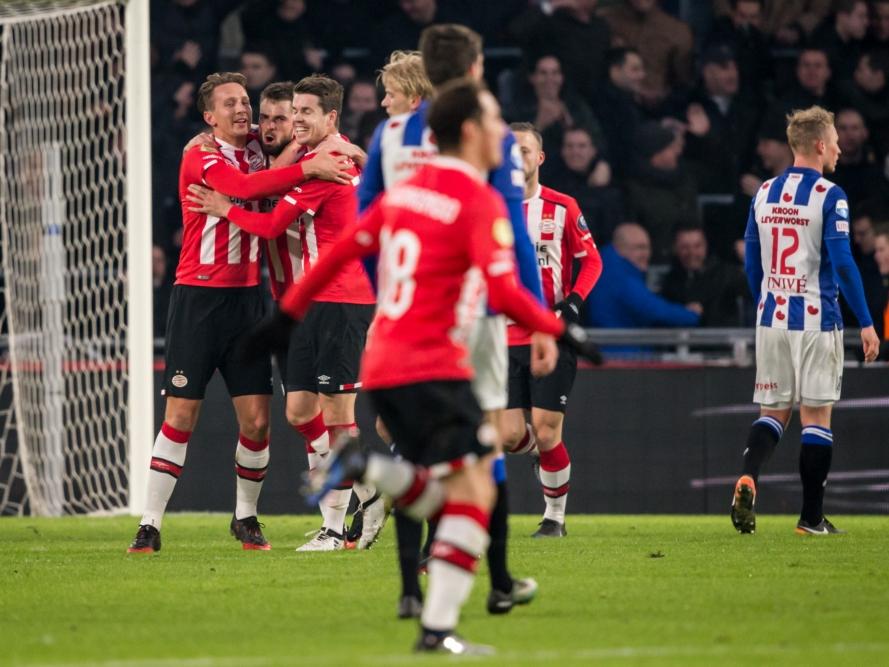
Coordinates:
(661,118)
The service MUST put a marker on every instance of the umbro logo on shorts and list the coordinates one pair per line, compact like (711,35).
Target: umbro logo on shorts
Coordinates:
(563,400)
(323,379)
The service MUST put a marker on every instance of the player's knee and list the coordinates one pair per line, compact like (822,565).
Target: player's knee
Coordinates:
(255,427)
(512,433)
(181,415)
(547,437)
(298,414)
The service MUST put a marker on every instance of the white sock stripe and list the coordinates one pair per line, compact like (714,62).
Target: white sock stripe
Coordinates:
(819,431)
(556,478)
(166,449)
(463,533)
(250,459)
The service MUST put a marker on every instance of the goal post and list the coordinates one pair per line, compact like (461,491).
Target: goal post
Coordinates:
(140,328)
(75,215)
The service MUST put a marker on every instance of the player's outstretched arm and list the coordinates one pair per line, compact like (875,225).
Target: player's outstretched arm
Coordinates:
(264,225)
(221,175)
(325,165)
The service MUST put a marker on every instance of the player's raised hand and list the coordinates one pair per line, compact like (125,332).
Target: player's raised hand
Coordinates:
(871,343)
(270,335)
(544,354)
(208,201)
(333,144)
(205,140)
(578,339)
(328,166)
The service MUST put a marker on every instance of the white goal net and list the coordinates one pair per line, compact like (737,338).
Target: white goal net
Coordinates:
(63,213)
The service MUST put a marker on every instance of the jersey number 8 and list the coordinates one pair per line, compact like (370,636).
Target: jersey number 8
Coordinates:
(399,254)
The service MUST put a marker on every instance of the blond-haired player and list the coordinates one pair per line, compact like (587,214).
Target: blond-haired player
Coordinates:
(797,251)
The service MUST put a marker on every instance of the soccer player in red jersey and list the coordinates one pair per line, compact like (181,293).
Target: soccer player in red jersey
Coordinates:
(560,235)
(215,300)
(440,236)
(321,376)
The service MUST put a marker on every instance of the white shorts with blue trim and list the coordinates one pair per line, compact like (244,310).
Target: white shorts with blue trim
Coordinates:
(798,367)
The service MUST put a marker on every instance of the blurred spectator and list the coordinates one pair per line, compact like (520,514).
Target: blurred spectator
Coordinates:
(660,192)
(697,277)
(344,72)
(570,30)
(812,84)
(617,106)
(878,38)
(717,156)
(865,221)
(284,25)
(584,174)
(401,31)
(338,25)
(881,318)
(788,22)
(773,157)
(361,99)
(869,93)
(621,299)
(843,37)
(858,172)
(260,70)
(550,107)
(741,31)
(665,44)
(186,34)
(162,286)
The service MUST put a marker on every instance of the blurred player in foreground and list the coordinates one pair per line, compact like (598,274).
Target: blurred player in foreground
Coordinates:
(441,237)
(797,251)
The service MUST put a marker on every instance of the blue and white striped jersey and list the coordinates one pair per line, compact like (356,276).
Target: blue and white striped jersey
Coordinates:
(402,144)
(793,217)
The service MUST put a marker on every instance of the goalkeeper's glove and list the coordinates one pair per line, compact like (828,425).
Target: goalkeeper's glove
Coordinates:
(270,335)
(569,309)
(576,337)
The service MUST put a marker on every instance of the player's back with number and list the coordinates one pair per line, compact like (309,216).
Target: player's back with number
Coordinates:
(433,228)
(792,216)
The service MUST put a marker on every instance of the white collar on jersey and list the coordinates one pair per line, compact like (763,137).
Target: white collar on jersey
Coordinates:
(536,194)
(450,162)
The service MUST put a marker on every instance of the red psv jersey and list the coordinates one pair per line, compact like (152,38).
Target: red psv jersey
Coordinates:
(441,235)
(301,226)
(215,252)
(560,235)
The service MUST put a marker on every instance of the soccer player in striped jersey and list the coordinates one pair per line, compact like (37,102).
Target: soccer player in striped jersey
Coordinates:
(321,374)
(400,146)
(215,300)
(561,236)
(797,252)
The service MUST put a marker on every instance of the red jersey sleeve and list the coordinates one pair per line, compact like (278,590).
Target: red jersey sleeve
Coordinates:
(361,240)
(491,248)
(582,247)
(267,225)
(221,175)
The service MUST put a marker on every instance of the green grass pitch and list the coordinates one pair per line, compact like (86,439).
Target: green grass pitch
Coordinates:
(623,590)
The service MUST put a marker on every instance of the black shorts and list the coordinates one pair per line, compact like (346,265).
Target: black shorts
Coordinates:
(324,354)
(548,393)
(432,422)
(204,327)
